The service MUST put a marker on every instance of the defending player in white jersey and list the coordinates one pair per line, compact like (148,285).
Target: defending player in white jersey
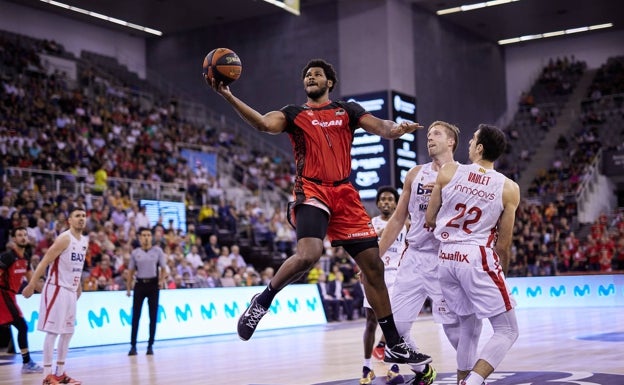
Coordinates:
(417,276)
(387,198)
(57,312)
(473,208)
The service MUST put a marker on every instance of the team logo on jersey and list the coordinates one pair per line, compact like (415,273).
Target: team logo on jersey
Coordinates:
(457,256)
(330,123)
(340,112)
(482,170)
(310,113)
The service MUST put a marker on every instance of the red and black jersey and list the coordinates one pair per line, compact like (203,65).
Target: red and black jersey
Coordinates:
(321,137)
(14,267)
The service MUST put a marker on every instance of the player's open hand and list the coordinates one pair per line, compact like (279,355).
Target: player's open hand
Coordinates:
(406,127)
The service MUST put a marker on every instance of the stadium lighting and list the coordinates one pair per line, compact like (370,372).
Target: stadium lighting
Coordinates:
(553,34)
(471,7)
(291,6)
(104,17)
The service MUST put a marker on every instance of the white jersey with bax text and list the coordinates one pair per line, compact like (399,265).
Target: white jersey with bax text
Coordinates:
(66,270)
(420,236)
(472,203)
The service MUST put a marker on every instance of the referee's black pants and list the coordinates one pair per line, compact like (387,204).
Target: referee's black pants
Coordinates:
(142,291)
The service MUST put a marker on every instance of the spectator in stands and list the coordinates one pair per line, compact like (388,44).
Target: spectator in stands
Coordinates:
(227,216)
(193,258)
(224,260)
(315,272)
(336,290)
(212,247)
(102,273)
(141,219)
(330,304)
(236,257)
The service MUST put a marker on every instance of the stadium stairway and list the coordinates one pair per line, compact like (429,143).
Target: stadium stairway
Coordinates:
(569,116)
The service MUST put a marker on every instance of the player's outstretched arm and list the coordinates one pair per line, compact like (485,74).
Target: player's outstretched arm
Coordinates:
(387,128)
(400,215)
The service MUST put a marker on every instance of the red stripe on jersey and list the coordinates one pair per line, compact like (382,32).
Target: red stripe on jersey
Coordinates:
(491,238)
(50,303)
(496,276)
(54,271)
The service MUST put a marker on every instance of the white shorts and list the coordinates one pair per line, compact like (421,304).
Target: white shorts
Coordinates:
(389,279)
(57,310)
(473,281)
(417,279)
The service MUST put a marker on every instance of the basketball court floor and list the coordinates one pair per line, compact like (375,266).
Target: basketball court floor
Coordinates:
(560,346)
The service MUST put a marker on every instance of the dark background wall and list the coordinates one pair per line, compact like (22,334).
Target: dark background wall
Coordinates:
(273,51)
(459,78)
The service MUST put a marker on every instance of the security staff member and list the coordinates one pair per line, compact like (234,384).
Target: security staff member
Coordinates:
(148,261)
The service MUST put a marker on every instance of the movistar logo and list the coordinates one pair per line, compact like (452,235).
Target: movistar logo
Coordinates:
(94,320)
(34,317)
(534,292)
(311,303)
(556,292)
(125,317)
(183,315)
(276,307)
(293,306)
(606,291)
(211,311)
(231,312)
(581,292)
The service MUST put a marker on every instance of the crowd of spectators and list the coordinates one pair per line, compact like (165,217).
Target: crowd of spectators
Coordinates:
(545,243)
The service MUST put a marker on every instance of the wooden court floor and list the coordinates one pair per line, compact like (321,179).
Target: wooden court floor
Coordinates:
(556,346)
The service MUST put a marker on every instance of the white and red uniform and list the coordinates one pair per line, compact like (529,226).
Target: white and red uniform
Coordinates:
(469,269)
(57,311)
(417,276)
(392,256)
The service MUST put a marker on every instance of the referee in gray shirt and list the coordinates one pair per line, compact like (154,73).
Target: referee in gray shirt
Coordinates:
(148,262)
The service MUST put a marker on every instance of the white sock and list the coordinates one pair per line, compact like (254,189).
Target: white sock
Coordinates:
(473,379)
(367,362)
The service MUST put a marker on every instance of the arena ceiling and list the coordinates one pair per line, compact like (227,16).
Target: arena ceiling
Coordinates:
(523,17)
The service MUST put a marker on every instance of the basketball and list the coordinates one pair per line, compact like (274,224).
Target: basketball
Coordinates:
(223,65)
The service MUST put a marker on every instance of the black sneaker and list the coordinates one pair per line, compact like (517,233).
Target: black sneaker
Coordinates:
(132,351)
(248,321)
(401,353)
(150,351)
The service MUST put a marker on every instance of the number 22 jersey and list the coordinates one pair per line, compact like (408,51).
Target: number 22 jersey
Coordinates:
(472,203)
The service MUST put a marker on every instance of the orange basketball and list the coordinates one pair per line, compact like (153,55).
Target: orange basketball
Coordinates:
(223,65)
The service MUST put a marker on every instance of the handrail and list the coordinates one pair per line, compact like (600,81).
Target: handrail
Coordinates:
(56,180)
(592,171)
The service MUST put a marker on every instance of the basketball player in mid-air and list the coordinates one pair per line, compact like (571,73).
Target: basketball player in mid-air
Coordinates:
(473,208)
(417,276)
(326,204)
(387,198)
(57,311)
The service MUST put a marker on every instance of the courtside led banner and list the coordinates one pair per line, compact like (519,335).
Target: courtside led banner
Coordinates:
(568,291)
(105,317)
